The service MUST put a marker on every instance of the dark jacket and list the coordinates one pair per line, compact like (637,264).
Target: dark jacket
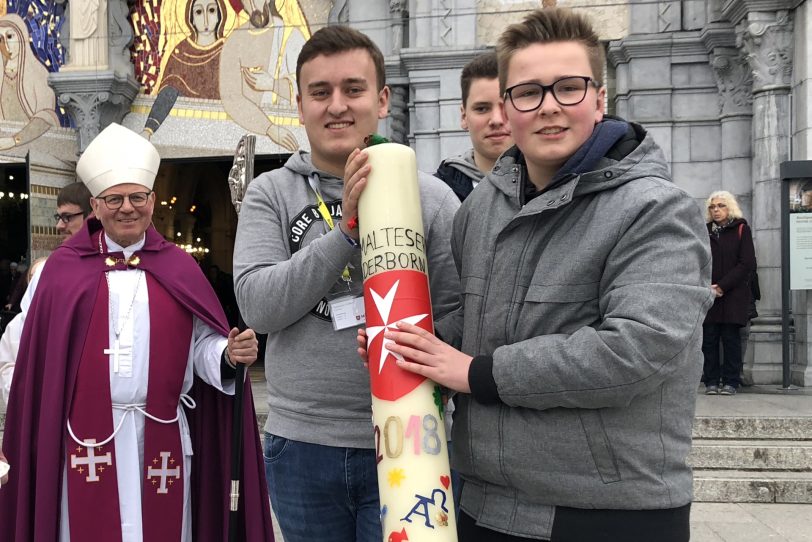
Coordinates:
(734,260)
(460,174)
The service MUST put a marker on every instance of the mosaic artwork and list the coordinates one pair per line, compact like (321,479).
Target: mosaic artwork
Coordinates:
(29,50)
(215,50)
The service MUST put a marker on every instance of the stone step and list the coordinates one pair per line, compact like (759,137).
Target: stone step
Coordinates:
(748,455)
(741,427)
(755,486)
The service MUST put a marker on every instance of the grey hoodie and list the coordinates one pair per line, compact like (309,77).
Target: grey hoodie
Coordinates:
(589,299)
(285,262)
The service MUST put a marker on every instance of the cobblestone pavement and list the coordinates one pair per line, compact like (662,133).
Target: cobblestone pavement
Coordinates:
(749,522)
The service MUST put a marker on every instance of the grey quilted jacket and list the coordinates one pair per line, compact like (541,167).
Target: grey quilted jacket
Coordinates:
(590,299)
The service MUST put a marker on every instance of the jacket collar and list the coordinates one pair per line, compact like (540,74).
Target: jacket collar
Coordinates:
(623,162)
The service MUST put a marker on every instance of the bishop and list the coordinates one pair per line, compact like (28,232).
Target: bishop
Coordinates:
(141,370)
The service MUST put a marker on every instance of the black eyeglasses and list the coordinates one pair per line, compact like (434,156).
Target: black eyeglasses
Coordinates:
(115,201)
(714,206)
(566,91)
(66,217)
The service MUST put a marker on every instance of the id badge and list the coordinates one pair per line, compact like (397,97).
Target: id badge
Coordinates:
(347,311)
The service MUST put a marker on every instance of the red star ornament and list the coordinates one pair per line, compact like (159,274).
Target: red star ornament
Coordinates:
(389,298)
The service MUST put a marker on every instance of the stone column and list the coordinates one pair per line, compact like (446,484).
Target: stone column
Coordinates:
(735,83)
(398,120)
(93,100)
(399,113)
(397,23)
(424,119)
(766,41)
(97,90)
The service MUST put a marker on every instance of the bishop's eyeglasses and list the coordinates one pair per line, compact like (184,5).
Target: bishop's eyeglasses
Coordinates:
(566,91)
(115,201)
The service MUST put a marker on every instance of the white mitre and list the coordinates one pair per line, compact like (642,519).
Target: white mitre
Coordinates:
(117,156)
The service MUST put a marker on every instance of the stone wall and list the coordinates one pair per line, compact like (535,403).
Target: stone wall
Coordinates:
(720,84)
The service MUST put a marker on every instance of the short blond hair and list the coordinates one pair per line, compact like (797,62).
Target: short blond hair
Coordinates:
(733,209)
(549,25)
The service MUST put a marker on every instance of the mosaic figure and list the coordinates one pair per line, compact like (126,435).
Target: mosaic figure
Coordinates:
(258,59)
(291,33)
(191,65)
(24,92)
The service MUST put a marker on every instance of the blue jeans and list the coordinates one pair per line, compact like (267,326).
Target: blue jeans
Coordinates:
(322,492)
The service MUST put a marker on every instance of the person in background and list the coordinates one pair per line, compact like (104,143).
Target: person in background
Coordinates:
(483,118)
(10,341)
(18,287)
(72,208)
(734,260)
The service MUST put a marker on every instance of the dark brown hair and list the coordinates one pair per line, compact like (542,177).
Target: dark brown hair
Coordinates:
(76,194)
(549,25)
(483,66)
(331,40)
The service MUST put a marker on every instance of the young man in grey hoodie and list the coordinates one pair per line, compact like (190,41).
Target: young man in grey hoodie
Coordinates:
(482,116)
(586,278)
(295,250)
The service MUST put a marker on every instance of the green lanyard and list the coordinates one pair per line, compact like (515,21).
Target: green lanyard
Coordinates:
(325,214)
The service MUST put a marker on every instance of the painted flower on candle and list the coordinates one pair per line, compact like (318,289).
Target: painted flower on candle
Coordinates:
(396,476)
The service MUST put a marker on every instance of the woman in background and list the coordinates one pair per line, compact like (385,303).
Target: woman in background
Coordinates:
(734,259)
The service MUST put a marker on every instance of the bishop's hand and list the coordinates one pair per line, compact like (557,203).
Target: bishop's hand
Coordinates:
(243,347)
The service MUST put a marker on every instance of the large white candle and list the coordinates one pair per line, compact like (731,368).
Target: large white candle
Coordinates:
(414,477)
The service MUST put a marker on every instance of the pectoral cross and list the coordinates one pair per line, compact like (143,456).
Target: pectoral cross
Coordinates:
(116,352)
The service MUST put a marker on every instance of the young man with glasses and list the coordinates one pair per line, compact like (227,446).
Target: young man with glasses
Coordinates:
(124,342)
(72,208)
(577,346)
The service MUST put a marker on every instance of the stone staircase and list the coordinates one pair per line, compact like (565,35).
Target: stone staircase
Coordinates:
(752,459)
